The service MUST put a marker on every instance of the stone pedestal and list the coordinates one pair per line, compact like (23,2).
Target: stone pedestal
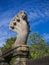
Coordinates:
(21,53)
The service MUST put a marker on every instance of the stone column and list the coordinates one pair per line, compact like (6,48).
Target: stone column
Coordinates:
(20,25)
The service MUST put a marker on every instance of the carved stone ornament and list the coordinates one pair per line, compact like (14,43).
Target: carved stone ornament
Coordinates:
(20,25)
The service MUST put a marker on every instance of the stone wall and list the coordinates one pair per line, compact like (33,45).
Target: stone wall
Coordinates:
(40,61)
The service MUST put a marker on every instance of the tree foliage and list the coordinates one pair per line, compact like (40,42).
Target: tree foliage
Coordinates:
(34,38)
(9,43)
(39,47)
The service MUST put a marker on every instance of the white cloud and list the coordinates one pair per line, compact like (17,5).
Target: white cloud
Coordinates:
(46,12)
(4,24)
(6,16)
(33,15)
(3,33)
(37,16)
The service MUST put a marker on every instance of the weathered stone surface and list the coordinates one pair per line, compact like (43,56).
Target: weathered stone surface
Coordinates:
(22,48)
(20,25)
(20,61)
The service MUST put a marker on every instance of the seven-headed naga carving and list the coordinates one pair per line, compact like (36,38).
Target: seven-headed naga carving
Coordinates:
(20,25)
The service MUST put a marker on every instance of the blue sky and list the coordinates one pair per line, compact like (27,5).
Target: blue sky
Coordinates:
(38,16)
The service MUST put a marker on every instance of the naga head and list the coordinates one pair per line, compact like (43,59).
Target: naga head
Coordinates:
(20,25)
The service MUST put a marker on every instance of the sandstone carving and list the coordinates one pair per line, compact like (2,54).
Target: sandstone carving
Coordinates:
(19,24)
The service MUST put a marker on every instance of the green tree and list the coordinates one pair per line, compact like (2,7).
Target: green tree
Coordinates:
(9,42)
(34,38)
(39,47)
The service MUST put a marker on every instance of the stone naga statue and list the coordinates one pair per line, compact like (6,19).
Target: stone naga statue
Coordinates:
(20,25)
